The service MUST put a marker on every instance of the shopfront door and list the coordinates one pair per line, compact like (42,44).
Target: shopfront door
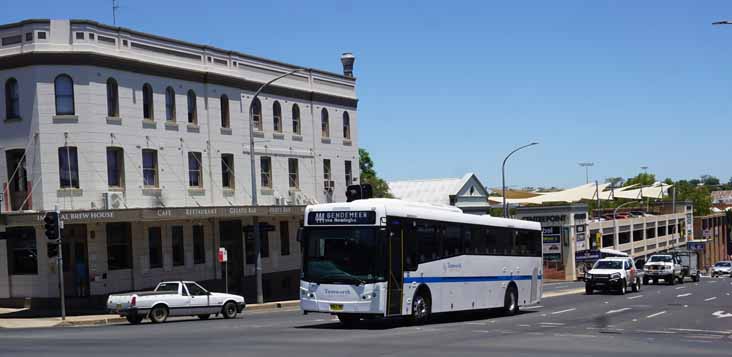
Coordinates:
(76,260)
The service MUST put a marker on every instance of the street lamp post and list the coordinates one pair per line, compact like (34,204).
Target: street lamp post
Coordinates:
(255,223)
(503,176)
(587,166)
(616,236)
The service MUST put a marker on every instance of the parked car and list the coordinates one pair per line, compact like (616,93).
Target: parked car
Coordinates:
(174,298)
(613,274)
(663,266)
(722,268)
(688,259)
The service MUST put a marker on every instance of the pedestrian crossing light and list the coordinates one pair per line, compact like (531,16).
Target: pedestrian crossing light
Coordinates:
(51,225)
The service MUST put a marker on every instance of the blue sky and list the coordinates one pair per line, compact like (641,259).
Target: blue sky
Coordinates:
(447,87)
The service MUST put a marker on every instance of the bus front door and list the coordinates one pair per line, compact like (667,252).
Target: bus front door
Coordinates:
(395,261)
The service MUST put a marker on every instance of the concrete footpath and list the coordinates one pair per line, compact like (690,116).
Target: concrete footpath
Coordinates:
(8,317)
(105,319)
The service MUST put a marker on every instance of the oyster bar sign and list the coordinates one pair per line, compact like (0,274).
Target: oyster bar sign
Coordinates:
(341,217)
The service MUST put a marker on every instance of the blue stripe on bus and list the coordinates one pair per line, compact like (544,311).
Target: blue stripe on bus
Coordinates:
(467,279)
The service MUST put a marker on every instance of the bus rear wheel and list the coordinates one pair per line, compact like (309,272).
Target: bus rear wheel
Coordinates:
(510,302)
(421,309)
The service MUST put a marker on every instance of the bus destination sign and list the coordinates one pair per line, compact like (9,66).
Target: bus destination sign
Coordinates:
(341,217)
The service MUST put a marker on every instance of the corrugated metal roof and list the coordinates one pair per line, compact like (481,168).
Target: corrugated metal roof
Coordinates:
(434,191)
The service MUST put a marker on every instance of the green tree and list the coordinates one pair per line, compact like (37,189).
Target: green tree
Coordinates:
(642,178)
(709,180)
(694,193)
(615,181)
(368,175)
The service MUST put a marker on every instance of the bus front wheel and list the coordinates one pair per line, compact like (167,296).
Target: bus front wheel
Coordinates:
(421,308)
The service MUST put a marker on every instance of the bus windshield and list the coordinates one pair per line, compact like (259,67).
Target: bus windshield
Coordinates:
(344,255)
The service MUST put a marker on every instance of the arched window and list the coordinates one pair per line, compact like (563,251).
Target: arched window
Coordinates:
(12,99)
(147,102)
(346,126)
(296,119)
(324,124)
(170,104)
(192,107)
(257,114)
(277,116)
(63,87)
(112,98)
(224,111)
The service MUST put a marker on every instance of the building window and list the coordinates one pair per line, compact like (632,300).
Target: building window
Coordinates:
(115,167)
(64,90)
(227,171)
(349,173)
(178,248)
(12,99)
(256,111)
(284,238)
(328,184)
(22,252)
(17,186)
(225,122)
(266,169)
(147,102)
(293,170)
(199,248)
(324,124)
(112,98)
(170,104)
(346,126)
(155,247)
(277,116)
(119,246)
(192,108)
(150,168)
(296,119)
(68,167)
(195,169)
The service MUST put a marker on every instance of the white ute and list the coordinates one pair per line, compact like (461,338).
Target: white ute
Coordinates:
(174,298)
(663,266)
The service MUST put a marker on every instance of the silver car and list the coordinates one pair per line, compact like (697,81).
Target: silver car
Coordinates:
(722,268)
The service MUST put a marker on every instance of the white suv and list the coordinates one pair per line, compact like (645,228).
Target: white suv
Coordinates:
(613,274)
(722,268)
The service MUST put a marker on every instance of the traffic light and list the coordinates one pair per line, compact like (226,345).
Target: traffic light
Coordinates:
(359,192)
(51,221)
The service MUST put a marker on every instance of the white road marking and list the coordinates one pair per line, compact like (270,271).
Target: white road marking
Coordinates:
(706,337)
(552,323)
(654,331)
(563,311)
(711,298)
(721,314)
(683,295)
(524,325)
(702,331)
(573,335)
(531,307)
(476,323)
(635,297)
(712,282)
(681,287)
(618,310)
(656,314)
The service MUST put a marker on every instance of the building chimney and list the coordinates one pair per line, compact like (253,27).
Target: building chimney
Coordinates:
(347,60)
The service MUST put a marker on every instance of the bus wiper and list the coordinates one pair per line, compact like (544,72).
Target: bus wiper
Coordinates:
(344,279)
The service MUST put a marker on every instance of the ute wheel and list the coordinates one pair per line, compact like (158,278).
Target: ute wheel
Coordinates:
(134,319)
(655,281)
(510,302)
(204,316)
(421,309)
(681,279)
(229,310)
(159,314)
(671,280)
(645,281)
(623,287)
(588,289)
(636,285)
(695,278)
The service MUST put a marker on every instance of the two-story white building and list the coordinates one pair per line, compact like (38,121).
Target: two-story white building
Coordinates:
(143,143)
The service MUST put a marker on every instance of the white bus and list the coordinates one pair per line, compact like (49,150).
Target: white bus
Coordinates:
(384,258)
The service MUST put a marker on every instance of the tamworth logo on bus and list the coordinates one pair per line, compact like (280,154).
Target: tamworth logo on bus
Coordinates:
(342,217)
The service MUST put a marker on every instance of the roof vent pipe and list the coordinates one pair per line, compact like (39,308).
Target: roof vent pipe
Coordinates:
(347,60)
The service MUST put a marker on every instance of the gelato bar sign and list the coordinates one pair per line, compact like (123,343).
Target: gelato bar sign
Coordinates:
(341,217)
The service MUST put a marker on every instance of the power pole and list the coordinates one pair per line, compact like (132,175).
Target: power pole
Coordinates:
(115,6)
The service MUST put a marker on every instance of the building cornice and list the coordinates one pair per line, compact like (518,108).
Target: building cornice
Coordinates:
(126,64)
